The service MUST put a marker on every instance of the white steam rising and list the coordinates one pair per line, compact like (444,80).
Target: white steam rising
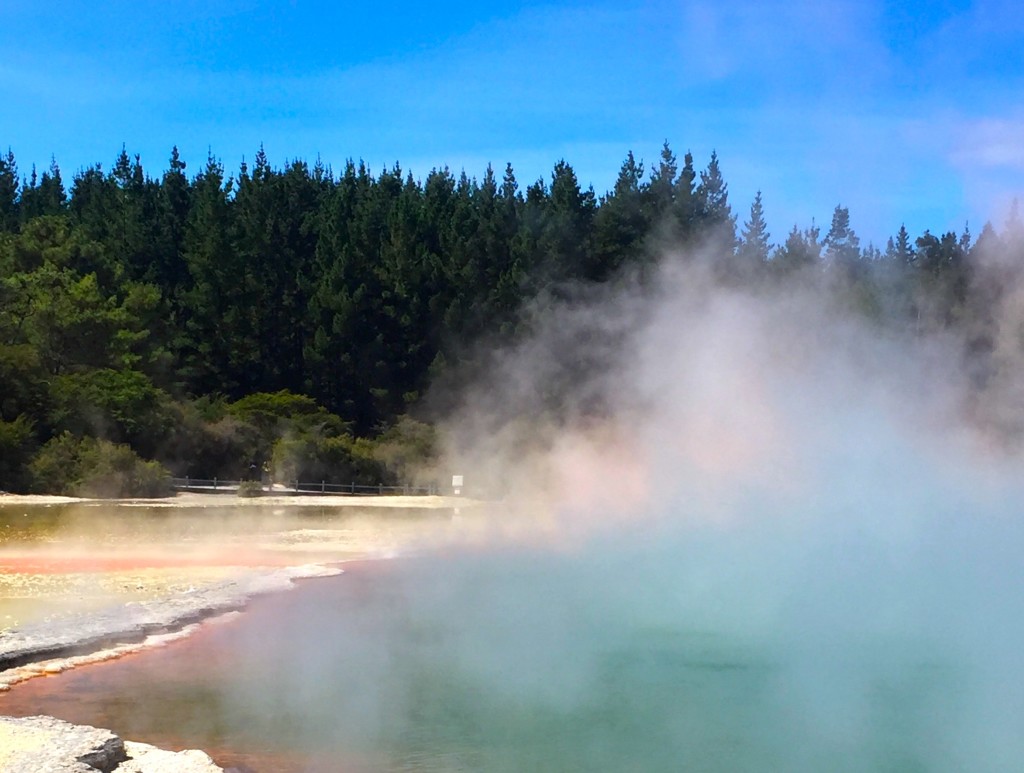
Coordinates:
(682,401)
(739,530)
(764,467)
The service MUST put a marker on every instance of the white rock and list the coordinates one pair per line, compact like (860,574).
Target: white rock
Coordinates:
(143,758)
(48,745)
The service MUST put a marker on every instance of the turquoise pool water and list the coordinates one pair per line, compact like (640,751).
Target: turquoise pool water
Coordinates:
(539,660)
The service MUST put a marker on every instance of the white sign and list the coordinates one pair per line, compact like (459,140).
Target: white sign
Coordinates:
(456,481)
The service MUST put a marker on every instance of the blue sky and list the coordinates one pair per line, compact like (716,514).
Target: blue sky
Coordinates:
(902,111)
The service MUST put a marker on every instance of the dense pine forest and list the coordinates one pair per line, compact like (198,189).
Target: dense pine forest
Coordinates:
(201,322)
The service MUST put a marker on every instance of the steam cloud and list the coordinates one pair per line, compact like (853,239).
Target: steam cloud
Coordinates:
(737,530)
(764,466)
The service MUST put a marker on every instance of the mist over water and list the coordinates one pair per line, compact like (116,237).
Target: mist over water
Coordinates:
(793,507)
(738,530)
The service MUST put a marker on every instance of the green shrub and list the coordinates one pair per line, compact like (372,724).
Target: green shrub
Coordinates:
(275,413)
(408,449)
(201,448)
(17,444)
(55,468)
(341,459)
(122,405)
(250,488)
(89,467)
(367,464)
(23,387)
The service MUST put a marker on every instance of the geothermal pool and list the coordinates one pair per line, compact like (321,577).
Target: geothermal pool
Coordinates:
(356,673)
(711,649)
(537,660)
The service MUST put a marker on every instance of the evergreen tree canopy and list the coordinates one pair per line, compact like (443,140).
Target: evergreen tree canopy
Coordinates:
(139,309)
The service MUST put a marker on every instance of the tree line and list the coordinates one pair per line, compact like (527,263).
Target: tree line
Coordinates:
(200,324)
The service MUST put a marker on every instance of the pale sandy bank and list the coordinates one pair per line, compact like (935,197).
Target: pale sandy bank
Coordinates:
(188,499)
(93,570)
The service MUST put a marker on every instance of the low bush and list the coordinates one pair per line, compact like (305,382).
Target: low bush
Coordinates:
(89,467)
(250,488)
(17,444)
(342,459)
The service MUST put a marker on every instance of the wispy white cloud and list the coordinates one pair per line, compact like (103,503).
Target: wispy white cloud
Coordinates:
(789,46)
(987,154)
(990,143)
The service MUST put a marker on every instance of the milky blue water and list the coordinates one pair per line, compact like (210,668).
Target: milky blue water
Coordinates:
(541,661)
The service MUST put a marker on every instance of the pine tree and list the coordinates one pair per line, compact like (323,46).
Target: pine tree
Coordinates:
(567,223)
(508,289)
(43,195)
(988,246)
(902,250)
(216,333)
(799,252)
(93,202)
(943,278)
(661,188)
(52,195)
(173,203)
(716,222)
(965,239)
(754,248)
(8,193)
(619,224)
(842,245)
(341,269)
(686,206)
